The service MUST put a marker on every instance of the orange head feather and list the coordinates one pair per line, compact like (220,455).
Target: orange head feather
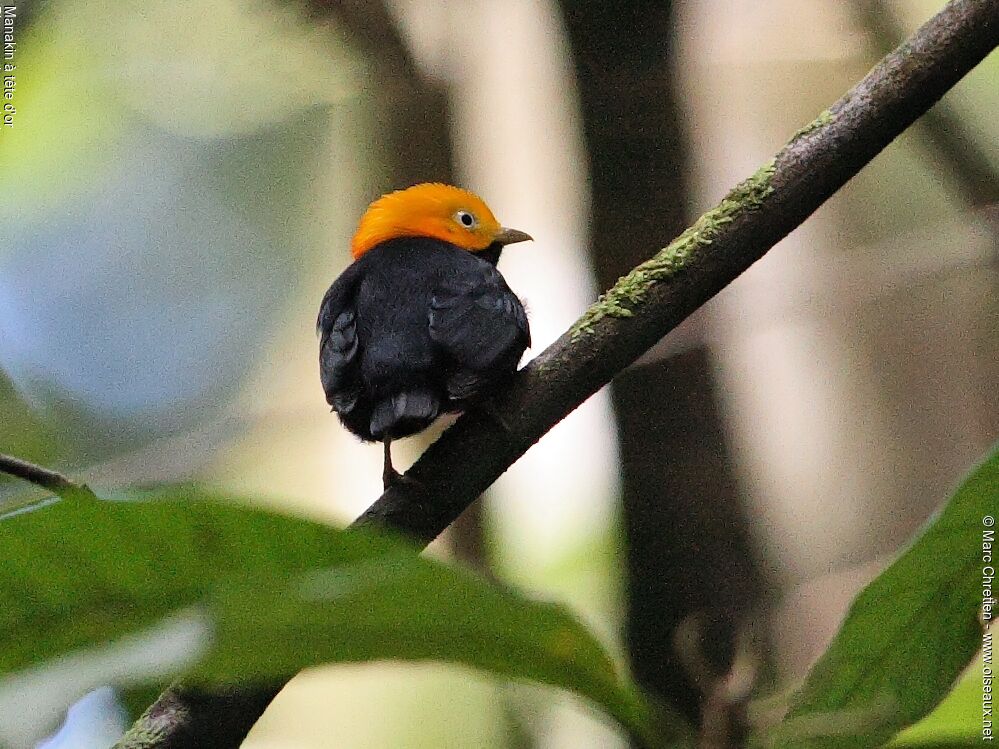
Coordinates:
(432,210)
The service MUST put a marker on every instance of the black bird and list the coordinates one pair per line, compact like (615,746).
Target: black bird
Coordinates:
(421,323)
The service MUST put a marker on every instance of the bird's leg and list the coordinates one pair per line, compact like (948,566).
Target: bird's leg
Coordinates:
(389,474)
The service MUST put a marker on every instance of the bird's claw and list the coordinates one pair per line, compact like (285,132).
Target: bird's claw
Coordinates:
(392,478)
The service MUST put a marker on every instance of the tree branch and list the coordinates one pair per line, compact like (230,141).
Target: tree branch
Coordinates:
(659,294)
(944,131)
(189,718)
(45,478)
(652,300)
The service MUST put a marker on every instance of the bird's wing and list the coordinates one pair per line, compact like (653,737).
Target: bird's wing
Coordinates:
(337,329)
(482,326)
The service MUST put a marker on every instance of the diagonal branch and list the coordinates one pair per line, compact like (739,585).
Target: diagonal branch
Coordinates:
(659,294)
(45,478)
(945,133)
(642,307)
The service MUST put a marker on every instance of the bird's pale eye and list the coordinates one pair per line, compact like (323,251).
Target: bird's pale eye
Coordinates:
(466,219)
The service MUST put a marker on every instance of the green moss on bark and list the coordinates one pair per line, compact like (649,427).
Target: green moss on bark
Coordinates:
(630,290)
(824,118)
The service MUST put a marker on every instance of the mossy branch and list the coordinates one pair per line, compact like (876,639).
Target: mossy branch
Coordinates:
(641,308)
(630,290)
(660,293)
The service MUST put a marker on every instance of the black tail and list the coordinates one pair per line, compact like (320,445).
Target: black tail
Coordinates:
(404,413)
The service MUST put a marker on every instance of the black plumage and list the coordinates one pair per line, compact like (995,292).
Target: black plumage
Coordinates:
(415,328)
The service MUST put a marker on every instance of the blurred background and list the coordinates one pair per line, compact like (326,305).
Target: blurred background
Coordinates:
(179,187)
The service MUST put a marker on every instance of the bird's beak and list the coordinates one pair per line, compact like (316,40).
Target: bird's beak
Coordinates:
(511,236)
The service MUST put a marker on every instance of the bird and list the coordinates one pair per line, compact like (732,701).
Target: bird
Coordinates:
(421,323)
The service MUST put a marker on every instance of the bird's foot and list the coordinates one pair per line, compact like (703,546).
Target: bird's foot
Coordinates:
(392,478)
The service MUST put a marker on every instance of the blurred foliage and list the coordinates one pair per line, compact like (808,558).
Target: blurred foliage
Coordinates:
(68,128)
(77,574)
(24,432)
(906,638)
(159,180)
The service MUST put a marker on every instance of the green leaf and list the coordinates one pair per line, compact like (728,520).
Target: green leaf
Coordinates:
(907,636)
(956,720)
(281,594)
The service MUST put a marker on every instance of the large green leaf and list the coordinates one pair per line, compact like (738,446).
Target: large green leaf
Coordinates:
(906,638)
(281,594)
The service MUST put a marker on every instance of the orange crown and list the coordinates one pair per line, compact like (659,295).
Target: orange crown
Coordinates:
(431,209)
